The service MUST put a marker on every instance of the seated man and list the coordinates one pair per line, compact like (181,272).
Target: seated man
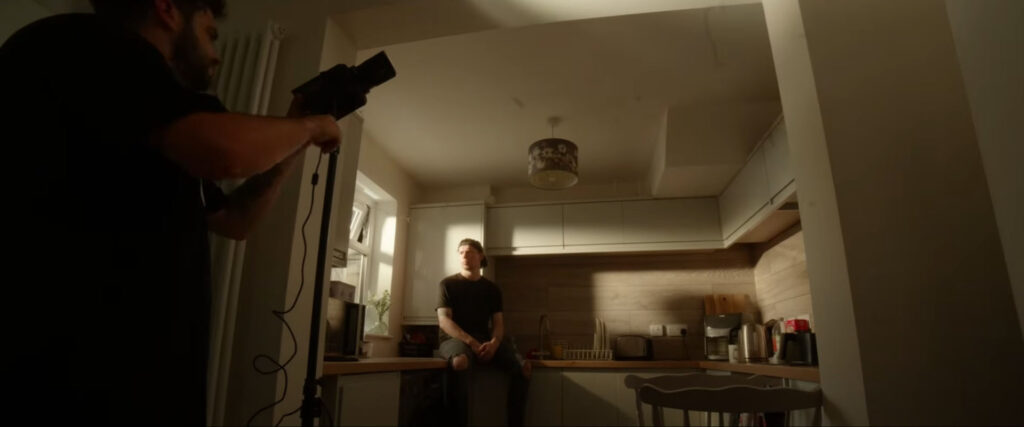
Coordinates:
(469,313)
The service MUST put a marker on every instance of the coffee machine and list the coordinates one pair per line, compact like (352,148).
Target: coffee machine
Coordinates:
(720,330)
(344,335)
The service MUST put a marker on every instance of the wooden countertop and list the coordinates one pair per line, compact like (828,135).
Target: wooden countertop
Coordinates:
(617,364)
(383,364)
(389,364)
(803,373)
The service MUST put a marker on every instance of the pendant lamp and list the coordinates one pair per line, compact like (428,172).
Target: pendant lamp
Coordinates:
(553,161)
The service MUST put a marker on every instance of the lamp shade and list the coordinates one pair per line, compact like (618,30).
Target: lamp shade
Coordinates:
(553,163)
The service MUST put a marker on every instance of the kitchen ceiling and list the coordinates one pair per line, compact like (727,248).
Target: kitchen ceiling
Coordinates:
(464,108)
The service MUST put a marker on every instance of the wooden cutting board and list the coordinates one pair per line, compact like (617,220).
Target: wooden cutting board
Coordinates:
(725,303)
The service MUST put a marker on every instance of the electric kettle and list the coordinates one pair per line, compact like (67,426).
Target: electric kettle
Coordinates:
(752,345)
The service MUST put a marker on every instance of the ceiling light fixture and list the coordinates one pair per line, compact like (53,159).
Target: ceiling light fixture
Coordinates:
(553,161)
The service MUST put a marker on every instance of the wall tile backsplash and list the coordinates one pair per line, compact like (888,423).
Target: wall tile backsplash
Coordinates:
(783,288)
(628,291)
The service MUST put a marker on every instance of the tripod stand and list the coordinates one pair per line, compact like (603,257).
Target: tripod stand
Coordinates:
(311,402)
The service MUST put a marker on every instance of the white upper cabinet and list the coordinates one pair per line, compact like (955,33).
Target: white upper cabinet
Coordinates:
(431,253)
(593,223)
(614,226)
(776,154)
(671,220)
(746,195)
(524,226)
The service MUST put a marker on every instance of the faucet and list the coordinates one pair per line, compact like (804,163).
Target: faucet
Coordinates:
(543,329)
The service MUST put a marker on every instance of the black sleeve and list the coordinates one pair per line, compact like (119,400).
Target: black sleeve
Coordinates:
(443,300)
(154,104)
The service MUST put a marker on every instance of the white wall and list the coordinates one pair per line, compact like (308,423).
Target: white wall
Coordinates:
(903,252)
(706,145)
(455,194)
(838,345)
(989,38)
(273,269)
(15,14)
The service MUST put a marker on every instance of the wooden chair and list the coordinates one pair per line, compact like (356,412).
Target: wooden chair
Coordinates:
(735,400)
(694,380)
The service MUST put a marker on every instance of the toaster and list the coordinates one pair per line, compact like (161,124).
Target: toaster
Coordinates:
(632,347)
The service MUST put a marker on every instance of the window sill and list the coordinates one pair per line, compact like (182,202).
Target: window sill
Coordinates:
(377,337)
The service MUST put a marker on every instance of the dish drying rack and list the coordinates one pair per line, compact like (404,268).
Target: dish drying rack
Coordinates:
(586,354)
(581,353)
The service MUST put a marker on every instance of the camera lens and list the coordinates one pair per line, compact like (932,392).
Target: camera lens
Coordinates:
(374,71)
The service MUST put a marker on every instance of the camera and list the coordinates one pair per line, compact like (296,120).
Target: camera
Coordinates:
(342,89)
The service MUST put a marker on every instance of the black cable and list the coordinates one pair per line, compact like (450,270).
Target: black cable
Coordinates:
(323,405)
(279,420)
(280,314)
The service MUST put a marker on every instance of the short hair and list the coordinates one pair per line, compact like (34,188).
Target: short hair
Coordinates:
(133,13)
(477,246)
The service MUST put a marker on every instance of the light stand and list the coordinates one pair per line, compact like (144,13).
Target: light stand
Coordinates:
(338,91)
(311,403)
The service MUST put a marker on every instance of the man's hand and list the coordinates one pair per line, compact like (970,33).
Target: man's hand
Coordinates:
(322,128)
(323,132)
(487,350)
(475,345)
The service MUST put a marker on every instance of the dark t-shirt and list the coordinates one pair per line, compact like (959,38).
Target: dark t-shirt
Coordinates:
(473,303)
(108,236)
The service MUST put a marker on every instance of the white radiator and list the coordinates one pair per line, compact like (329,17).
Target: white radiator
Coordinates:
(243,84)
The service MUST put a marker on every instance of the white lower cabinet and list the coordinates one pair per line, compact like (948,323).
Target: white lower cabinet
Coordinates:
(363,400)
(589,397)
(673,417)
(804,417)
(557,397)
(544,399)
(594,397)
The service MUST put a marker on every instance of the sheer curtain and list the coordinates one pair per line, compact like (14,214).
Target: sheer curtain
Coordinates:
(243,84)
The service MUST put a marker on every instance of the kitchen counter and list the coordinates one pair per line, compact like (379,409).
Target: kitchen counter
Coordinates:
(390,364)
(382,364)
(803,373)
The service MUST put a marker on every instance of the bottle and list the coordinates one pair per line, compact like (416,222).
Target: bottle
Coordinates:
(777,339)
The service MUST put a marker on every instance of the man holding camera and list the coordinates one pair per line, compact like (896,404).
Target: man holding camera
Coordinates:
(114,151)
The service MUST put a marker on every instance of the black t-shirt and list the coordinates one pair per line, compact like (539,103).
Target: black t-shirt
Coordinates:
(473,303)
(109,236)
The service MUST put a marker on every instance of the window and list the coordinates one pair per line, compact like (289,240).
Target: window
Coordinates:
(366,262)
(360,227)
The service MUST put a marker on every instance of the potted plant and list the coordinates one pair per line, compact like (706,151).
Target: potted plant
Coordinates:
(381,305)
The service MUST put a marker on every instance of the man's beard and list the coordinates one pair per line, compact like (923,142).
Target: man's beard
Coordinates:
(192,69)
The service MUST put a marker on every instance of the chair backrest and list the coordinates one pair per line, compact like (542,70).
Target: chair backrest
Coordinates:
(734,400)
(675,382)
(690,380)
